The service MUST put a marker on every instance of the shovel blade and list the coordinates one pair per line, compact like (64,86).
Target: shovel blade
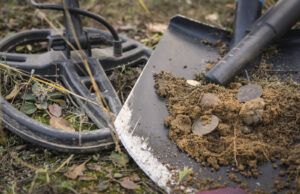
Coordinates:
(183,51)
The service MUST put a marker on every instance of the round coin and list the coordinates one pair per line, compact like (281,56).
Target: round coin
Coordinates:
(201,127)
(249,92)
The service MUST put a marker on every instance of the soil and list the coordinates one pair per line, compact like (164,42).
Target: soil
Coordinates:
(249,134)
(123,79)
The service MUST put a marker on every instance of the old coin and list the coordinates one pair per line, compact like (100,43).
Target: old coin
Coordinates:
(249,92)
(203,127)
(210,100)
(252,111)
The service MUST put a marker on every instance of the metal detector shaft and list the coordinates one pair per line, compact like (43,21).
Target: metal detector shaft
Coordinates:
(275,23)
(247,12)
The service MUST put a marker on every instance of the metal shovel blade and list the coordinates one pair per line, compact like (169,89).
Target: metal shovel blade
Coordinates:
(140,124)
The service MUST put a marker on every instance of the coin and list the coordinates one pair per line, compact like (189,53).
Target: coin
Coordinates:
(249,92)
(210,100)
(201,127)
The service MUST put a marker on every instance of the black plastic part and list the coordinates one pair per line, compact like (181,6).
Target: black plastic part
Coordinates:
(278,20)
(74,33)
(247,12)
(80,12)
(46,136)
(73,24)
(54,65)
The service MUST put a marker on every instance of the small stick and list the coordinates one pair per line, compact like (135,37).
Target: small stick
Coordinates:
(64,163)
(234,146)
(247,75)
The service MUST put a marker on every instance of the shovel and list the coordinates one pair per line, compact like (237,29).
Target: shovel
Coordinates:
(183,52)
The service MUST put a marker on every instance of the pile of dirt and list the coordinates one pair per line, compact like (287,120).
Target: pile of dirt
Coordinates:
(236,131)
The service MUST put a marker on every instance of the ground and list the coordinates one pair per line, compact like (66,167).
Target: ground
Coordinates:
(27,168)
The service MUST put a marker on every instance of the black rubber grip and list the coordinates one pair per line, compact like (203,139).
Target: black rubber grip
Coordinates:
(275,23)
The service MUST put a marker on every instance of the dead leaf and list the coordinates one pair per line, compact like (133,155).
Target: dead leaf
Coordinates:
(14,93)
(75,171)
(212,17)
(87,178)
(128,184)
(189,2)
(135,177)
(61,123)
(127,27)
(55,110)
(230,5)
(157,27)
(95,167)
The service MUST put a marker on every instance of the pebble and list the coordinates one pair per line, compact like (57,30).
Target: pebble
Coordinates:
(193,83)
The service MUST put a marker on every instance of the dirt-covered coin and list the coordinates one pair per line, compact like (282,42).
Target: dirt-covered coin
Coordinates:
(249,92)
(246,129)
(252,111)
(205,126)
(210,100)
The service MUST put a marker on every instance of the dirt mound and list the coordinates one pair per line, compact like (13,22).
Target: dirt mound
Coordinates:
(248,134)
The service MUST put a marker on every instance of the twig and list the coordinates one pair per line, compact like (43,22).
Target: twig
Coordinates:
(13,188)
(144,6)
(64,163)
(234,146)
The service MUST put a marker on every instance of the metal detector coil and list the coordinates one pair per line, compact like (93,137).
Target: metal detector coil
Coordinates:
(104,51)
